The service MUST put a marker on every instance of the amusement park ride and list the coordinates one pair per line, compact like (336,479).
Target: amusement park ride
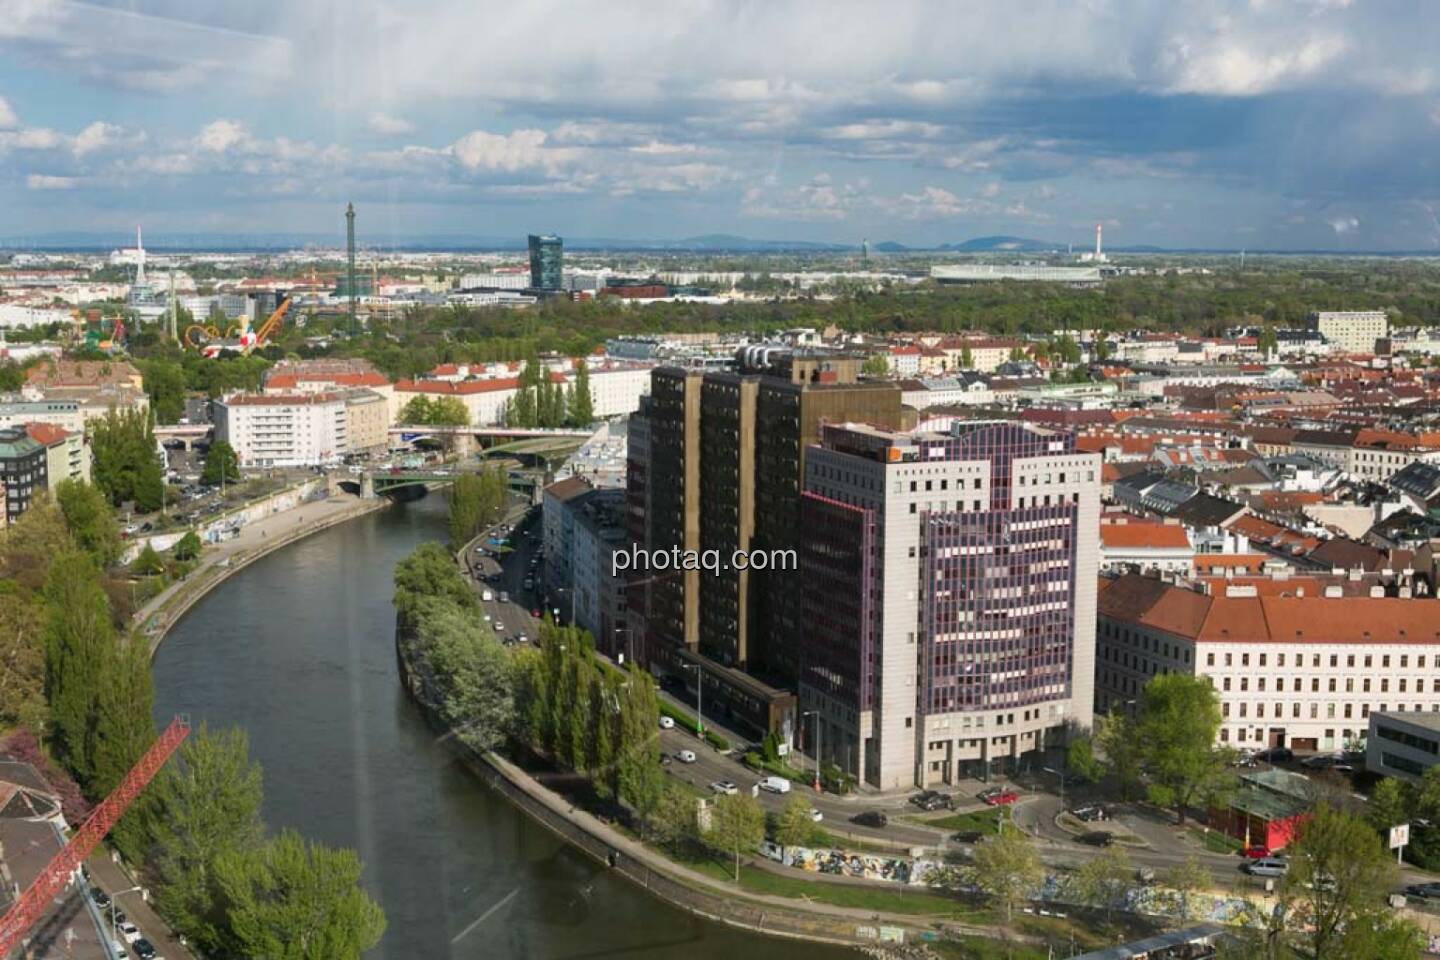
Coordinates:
(239,339)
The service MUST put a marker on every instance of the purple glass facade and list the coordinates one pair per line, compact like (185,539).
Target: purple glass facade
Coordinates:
(998,615)
(838,648)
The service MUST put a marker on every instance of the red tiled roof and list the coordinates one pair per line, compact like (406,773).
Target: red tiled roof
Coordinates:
(1157,536)
(45,433)
(289,381)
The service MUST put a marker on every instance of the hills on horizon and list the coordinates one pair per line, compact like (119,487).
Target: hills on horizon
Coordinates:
(105,241)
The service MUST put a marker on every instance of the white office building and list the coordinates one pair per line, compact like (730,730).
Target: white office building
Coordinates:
(1351,331)
(296,430)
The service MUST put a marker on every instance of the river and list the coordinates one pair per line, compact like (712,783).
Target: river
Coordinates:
(298,649)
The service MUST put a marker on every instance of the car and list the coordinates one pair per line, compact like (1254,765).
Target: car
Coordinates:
(726,787)
(870,818)
(665,760)
(129,931)
(521,638)
(667,723)
(969,836)
(1276,755)
(932,800)
(774,785)
(1423,891)
(535,614)
(1334,762)
(1093,813)
(999,797)
(1266,867)
(1096,838)
(686,756)
(815,815)
(499,627)
(504,597)
(1255,852)
(145,950)
(99,896)
(487,596)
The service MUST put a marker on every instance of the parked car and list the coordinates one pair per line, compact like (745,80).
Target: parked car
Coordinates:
(99,896)
(487,596)
(870,818)
(1266,867)
(686,756)
(969,836)
(999,796)
(775,785)
(1423,891)
(145,950)
(816,815)
(667,723)
(1334,762)
(129,931)
(932,800)
(1097,838)
(504,597)
(726,787)
(499,627)
(1276,755)
(1093,813)
(1256,852)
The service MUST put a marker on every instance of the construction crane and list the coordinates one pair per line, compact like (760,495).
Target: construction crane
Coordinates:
(40,895)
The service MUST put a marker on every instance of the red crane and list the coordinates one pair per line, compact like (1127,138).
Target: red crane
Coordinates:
(40,895)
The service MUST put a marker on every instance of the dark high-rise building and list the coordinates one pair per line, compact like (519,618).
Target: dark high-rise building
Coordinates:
(726,457)
(23,470)
(546,256)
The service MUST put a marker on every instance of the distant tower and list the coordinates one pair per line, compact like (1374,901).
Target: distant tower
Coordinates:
(865,253)
(173,305)
(350,261)
(140,259)
(1098,254)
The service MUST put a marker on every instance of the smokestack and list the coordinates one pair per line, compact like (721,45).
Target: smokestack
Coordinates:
(1098,228)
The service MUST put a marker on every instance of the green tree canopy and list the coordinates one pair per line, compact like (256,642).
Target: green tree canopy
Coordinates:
(1177,725)
(737,825)
(127,460)
(79,644)
(187,547)
(222,466)
(165,384)
(90,520)
(581,408)
(289,899)
(1007,870)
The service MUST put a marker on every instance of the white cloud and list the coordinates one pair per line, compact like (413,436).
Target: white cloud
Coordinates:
(388,125)
(508,152)
(884,130)
(222,135)
(103,136)
(8,119)
(819,199)
(42,181)
(1344,225)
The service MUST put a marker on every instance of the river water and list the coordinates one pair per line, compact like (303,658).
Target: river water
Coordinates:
(298,649)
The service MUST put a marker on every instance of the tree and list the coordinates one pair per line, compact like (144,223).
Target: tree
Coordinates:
(1103,881)
(1114,735)
(793,826)
(737,825)
(417,411)
(1338,871)
(676,824)
(876,365)
(581,405)
(222,466)
(90,520)
(1081,761)
(149,562)
(124,730)
(127,463)
(1007,870)
(1267,343)
(293,900)
(449,412)
(1184,880)
(1387,806)
(205,804)
(640,780)
(79,643)
(22,658)
(967,358)
(472,672)
(1176,729)
(165,384)
(187,547)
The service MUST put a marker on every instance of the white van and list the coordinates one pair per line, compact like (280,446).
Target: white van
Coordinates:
(487,596)
(775,785)
(686,756)
(1267,867)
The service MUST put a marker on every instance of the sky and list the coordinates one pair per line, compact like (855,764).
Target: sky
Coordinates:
(1308,124)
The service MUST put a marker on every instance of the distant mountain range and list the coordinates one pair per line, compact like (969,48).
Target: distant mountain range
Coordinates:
(103,242)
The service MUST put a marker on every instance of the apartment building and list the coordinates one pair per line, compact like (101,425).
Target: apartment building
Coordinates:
(64,414)
(24,468)
(1351,331)
(66,455)
(947,594)
(367,423)
(295,430)
(1299,666)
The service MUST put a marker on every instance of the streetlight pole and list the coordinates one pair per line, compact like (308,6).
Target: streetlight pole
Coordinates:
(114,906)
(699,697)
(1061,775)
(819,731)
